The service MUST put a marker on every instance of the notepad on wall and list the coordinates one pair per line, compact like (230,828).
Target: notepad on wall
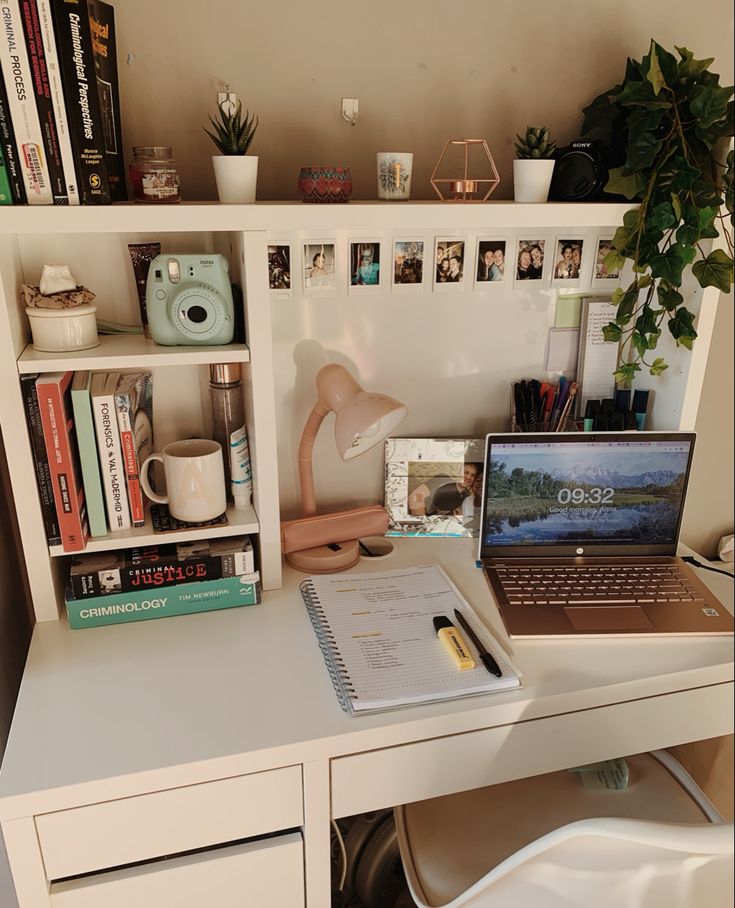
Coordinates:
(377,636)
(598,358)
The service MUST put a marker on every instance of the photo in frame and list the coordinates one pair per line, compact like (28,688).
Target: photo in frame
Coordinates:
(567,264)
(279,269)
(408,266)
(449,271)
(602,276)
(433,486)
(530,261)
(365,266)
(320,268)
(490,270)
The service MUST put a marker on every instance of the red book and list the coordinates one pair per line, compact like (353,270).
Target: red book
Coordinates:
(53,389)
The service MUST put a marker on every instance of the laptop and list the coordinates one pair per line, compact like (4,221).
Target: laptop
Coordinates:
(579,533)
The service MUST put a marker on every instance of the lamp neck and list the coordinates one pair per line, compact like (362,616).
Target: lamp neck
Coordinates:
(306,446)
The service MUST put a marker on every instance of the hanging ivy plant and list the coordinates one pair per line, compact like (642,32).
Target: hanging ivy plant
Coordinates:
(669,114)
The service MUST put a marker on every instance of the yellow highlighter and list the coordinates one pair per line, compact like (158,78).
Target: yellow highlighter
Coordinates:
(453,642)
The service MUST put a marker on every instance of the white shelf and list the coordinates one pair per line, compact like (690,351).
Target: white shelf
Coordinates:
(126,351)
(239,522)
(213,217)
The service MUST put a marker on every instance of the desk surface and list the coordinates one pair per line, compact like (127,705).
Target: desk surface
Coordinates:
(114,711)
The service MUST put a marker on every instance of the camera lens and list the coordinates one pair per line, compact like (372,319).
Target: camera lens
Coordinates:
(196,314)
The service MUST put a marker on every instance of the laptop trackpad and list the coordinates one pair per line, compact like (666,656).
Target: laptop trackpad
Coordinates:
(608,618)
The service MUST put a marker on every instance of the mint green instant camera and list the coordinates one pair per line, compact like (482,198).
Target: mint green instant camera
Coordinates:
(189,300)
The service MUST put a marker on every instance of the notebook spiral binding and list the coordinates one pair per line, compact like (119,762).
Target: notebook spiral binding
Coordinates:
(332,658)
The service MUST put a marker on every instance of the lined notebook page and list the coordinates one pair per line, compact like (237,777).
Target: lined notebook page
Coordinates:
(377,636)
(598,358)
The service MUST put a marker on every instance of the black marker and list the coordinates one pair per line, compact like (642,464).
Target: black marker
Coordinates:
(487,660)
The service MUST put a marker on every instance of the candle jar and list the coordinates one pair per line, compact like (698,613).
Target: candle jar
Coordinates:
(154,175)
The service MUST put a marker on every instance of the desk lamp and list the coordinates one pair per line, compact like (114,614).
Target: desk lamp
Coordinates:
(362,420)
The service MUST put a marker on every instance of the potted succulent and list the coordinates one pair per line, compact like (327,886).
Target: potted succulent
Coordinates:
(235,172)
(534,165)
(674,122)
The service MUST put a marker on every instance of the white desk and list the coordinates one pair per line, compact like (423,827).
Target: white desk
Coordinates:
(164,725)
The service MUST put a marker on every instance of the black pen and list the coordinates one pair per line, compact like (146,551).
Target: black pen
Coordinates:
(487,660)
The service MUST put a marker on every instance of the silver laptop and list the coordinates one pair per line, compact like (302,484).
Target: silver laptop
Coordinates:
(579,534)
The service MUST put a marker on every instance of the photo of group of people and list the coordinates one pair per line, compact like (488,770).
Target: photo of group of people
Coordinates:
(407,270)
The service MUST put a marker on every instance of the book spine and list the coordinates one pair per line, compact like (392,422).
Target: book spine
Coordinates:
(74,49)
(10,149)
(16,69)
(165,602)
(89,462)
(57,99)
(68,492)
(44,105)
(129,459)
(111,466)
(6,195)
(169,571)
(40,459)
(104,50)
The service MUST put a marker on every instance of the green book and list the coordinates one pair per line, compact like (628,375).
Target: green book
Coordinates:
(87,444)
(164,601)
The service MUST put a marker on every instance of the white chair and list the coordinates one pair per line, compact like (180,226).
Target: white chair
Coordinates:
(548,842)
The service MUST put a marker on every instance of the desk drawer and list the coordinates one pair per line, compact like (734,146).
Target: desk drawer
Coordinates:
(168,822)
(268,873)
(428,769)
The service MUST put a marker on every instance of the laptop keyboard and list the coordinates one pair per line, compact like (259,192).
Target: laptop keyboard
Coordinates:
(595,584)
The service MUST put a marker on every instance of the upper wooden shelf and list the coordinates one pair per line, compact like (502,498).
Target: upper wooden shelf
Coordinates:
(213,216)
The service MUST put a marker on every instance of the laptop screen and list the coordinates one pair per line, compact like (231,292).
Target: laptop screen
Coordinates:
(584,493)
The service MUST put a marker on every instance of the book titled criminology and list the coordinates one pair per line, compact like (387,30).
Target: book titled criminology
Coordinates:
(163,602)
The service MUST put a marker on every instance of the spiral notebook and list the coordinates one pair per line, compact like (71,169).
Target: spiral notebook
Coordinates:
(377,637)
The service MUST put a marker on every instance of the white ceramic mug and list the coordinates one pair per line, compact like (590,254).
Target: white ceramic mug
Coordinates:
(394,175)
(195,479)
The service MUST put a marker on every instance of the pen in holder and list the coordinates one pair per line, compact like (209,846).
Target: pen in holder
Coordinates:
(537,406)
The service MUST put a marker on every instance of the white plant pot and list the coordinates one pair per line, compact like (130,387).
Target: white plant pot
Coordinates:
(532,179)
(236,177)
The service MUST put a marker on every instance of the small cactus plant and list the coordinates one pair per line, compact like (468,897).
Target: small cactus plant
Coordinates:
(234,133)
(536,144)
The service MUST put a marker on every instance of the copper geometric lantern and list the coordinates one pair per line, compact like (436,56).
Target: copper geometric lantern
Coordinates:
(465,180)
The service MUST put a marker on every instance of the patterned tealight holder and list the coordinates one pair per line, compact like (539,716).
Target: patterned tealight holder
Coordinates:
(325,184)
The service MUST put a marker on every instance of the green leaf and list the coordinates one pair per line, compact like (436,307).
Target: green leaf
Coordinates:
(639,343)
(625,374)
(653,70)
(676,205)
(715,270)
(668,296)
(640,93)
(644,281)
(669,265)
(646,322)
(682,328)
(628,185)
(661,217)
(657,366)
(599,115)
(626,306)
(689,67)
(709,104)
(614,261)
(641,150)
(612,333)
(686,175)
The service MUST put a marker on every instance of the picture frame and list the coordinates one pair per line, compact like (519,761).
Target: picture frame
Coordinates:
(602,278)
(408,265)
(530,266)
(433,486)
(567,264)
(450,260)
(319,277)
(365,274)
(491,259)
(280,270)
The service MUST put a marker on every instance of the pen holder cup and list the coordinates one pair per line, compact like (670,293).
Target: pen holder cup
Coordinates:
(516,425)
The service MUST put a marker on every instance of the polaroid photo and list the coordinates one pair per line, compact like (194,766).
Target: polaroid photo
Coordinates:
(364,267)
(279,270)
(490,271)
(433,486)
(320,268)
(567,261)
(602,276)
(529,262)
(407,266)
(449,264)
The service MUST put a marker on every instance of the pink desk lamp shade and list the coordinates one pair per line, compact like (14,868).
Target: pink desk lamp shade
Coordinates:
(362,420)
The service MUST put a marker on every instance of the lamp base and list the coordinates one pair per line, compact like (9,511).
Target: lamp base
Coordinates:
(326,559)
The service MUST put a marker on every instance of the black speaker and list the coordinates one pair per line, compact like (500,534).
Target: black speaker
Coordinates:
(580,173)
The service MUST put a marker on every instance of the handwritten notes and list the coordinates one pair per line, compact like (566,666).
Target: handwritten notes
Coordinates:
(598,358)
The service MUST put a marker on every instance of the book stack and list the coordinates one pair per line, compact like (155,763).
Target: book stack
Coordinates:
(89,432)
(60,138)
(159,581)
